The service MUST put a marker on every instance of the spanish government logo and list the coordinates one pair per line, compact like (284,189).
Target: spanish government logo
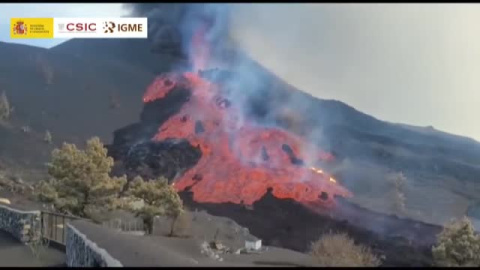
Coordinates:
(31,28)
(20,28)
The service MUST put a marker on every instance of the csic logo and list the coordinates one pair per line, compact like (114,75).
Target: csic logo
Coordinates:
(77,27)
(20,28)
(108,27)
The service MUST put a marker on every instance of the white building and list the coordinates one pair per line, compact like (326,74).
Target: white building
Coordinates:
(253,243)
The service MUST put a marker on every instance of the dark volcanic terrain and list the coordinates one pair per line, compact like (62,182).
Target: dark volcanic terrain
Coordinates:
(278,222)
(86,88)
(285,223)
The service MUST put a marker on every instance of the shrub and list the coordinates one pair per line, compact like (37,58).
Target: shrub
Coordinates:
(45,68)
(5,109)
(80,181)
(26,129)
(38,244)
(340,250)
(398,181)
(457,245)
(160,199)
(48,137)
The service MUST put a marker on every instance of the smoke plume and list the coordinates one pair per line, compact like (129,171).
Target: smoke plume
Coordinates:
(175,28)
(172,27)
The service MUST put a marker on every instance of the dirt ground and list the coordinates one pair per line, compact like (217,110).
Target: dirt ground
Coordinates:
(205,227)
(15,254)
(174,251)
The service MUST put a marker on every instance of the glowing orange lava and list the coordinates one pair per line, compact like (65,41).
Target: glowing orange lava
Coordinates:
(239,161)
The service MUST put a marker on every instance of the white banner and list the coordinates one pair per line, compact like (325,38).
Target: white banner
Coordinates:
(100,28)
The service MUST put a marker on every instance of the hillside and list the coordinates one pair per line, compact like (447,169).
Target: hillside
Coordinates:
(136,53)
(74,97)
(73,88)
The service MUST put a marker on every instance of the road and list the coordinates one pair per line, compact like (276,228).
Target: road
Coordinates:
(13,253)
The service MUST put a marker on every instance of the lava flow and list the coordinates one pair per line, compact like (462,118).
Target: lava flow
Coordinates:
(240,161)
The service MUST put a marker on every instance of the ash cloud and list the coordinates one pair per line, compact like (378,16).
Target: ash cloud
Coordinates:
(172,26)
(162,20)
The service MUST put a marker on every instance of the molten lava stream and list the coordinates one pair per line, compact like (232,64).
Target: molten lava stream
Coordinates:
(238,166)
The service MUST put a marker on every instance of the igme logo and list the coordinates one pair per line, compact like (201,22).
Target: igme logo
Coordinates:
(109,27)
(130,27)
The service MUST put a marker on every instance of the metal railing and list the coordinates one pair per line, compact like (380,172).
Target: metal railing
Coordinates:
(125,225)
(53,226)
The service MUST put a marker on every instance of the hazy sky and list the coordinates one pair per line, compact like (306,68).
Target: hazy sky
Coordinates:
(411,63)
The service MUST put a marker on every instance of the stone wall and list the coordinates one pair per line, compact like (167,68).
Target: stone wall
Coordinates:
(82,252)
(23,225)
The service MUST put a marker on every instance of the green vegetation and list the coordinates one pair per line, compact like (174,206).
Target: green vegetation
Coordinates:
(80,183)
(159,199)
(38,245)
(457,245)
(340,250)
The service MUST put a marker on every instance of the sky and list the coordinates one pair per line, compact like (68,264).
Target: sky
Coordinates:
(416,64)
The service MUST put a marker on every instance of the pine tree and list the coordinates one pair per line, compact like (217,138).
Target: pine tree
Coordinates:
(457,245)
(80,182)
(160,199)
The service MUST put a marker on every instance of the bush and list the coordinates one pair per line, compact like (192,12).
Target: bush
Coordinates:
(457,245)
(48,137)
(340,250)
(80,182)
(5,109)
(159,198)
(398,182)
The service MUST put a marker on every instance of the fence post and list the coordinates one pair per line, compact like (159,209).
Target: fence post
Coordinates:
(56,228)
(42,225)
(50,221)
(63,229)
